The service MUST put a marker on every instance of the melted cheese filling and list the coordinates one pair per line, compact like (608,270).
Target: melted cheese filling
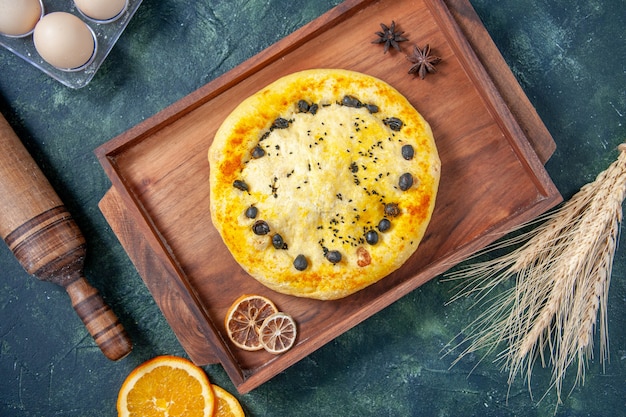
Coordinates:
(325,174)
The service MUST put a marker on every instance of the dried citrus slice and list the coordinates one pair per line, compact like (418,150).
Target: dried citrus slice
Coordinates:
(226,404)
(244,319)
(278,333)
(166,386)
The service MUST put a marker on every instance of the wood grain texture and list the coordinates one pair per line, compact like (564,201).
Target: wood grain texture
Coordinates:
(492,178)
(22,197)
(149,263)
(48,244)
(99,319)
(525,114)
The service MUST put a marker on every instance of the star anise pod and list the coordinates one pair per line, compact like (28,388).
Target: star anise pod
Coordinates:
(423,61)
(390,37)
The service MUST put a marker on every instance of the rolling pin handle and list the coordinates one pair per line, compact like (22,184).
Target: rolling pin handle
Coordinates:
(101,322)
(46,241)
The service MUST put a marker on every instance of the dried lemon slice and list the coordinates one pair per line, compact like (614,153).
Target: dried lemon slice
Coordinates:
(278,333)
(226,405)
(166,386)
(244,319)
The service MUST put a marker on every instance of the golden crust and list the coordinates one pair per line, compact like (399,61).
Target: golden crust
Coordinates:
(323,180)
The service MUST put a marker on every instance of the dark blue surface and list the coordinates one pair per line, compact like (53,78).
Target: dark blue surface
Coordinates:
(570,59)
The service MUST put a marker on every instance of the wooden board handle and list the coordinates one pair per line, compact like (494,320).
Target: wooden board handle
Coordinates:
(46,241)
(101,322)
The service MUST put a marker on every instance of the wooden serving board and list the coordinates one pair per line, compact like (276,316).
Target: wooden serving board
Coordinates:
(491,142)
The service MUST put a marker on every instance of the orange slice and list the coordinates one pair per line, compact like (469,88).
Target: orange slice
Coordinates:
(166,386)
(226,405)
(244,319)
(278,333)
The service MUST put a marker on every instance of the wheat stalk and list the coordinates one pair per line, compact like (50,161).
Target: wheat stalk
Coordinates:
(561,274)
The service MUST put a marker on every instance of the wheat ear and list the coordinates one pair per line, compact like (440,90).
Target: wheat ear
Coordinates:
(561,274)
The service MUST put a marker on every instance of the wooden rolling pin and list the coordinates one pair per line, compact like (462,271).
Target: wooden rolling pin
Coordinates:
(46,241)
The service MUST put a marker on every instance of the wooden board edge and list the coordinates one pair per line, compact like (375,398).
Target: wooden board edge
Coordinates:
(267,371)
(464,15)
(147,262)
(492,97)
(541,144)
(213,88)
(512,93)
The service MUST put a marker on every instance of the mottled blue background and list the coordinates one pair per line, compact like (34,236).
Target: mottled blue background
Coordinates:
(568,56)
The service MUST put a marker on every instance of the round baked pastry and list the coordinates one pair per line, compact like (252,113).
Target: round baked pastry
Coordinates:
(323,182)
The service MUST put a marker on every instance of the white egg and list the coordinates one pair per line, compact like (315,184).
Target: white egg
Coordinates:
(64,41)
(19,17)
(102,10)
